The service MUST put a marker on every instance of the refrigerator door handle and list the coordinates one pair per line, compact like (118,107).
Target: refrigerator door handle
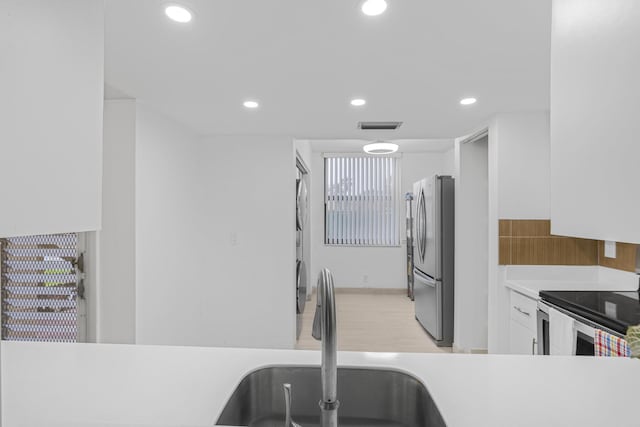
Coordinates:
(418,219)
(437,226)
(423,226)
(425,280)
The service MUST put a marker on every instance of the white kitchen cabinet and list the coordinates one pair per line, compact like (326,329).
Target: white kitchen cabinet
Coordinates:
(521,339)
(523,324)
(51,81)
(595,64)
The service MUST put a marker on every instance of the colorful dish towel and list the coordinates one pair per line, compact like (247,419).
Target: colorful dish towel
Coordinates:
(609,345)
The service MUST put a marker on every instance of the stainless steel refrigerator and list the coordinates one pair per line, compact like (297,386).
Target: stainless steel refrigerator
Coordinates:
(433,256)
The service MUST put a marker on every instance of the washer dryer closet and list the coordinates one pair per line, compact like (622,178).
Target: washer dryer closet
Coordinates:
(302,232)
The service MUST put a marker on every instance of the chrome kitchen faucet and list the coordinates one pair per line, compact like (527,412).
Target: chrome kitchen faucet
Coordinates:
(324,329)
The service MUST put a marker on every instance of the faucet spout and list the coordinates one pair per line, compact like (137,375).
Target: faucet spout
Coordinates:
(324,329)
(288,421)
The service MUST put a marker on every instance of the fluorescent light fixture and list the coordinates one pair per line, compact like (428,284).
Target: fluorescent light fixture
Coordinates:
(374,7)
(380,148)
(468,101)
(178,13)
(251,104)
(358,102)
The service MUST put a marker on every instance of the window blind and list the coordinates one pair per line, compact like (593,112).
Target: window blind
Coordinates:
(362,200)
(39,288)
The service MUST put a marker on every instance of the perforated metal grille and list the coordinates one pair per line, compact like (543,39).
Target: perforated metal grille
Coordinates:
(39,288)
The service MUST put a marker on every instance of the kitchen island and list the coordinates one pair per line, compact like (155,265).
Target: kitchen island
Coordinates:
(99,385)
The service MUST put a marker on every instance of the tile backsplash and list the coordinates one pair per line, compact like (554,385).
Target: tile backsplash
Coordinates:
(530,242)
(625,256)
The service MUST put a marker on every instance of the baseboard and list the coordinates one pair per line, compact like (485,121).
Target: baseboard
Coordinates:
(383,291)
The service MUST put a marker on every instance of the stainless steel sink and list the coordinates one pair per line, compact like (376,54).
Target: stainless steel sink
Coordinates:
(368,397)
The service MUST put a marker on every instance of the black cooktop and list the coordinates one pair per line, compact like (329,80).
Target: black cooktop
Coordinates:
(614,310)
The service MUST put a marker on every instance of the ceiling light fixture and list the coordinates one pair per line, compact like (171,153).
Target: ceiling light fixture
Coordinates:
(251,104)
(374,7)
(358,102)
(178,13)
(468,101)
(380,148)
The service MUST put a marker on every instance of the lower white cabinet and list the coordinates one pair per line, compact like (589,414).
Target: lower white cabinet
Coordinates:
(523,332)
(521,339)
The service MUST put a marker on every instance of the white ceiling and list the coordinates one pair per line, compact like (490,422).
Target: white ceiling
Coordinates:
(304,60)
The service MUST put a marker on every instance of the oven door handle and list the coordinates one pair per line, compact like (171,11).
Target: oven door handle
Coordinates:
(543,333)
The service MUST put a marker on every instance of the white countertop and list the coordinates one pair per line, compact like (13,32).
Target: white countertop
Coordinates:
(94,385)
(529,281)
(532,288)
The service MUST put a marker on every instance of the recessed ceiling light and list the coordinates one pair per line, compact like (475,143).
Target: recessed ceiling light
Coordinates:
(178,13)
(468,101)
(251,104)
(374,7)
(380,148)
(358,102)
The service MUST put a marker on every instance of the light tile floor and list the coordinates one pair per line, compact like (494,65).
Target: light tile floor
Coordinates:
(372,320)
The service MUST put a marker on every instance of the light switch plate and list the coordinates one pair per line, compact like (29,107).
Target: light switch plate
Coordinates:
(609,249)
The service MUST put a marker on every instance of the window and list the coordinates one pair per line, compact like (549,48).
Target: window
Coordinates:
(361,200)
(40,291)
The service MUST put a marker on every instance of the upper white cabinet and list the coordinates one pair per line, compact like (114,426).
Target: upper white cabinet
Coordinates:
(51,101)
(595,119)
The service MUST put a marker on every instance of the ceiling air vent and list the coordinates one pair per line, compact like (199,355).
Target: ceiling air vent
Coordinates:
(379,125)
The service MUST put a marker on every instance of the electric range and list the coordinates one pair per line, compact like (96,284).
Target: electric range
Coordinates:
(614,310)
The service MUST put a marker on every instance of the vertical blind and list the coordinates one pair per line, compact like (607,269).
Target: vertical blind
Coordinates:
(362,200)
(39,288)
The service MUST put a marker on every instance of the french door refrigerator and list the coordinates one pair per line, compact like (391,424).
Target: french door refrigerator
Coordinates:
(433,256)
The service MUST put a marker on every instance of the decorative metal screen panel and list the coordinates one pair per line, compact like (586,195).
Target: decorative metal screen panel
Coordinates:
(39,288)
(361,200)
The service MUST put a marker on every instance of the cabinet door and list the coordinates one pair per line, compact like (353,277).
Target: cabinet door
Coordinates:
(521,339)
(595,64)
(51,109)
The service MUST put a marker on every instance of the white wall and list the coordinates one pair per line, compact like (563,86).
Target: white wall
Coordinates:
(117,258)
(215,242)
(518,189)
(171,272)
(472,234)
(198,246)
(449,162)
(367,267)
(257,273)
(51,81)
